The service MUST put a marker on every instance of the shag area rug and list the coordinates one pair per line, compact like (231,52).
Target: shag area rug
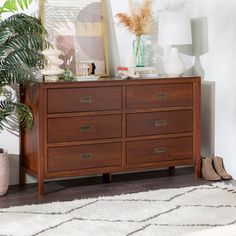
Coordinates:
(160,213)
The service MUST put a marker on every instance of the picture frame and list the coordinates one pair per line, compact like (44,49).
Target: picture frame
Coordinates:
(78,29)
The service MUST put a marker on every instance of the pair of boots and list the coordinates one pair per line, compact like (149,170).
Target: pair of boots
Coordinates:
(213,169)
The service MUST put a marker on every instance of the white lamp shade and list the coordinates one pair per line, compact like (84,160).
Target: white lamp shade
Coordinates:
(174,29)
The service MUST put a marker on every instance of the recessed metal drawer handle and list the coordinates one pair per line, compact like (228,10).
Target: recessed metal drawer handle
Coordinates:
(85,99)
(160,96)
(160,150)
(86,156)
(160,122)
(85,128)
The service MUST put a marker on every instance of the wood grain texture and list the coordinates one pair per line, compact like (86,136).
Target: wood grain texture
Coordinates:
(165,95)
(119,169)
(29,142)
(84,99)
(111,125)
(83,128)
(159,123)
(84,157)
(197,128)
(159,150)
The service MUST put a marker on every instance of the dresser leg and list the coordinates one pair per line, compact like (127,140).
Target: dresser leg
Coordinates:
(40,187)
(197,171)
(22,176)
(171,170)
(106,177)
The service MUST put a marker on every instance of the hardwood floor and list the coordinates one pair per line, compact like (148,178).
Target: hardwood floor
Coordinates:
(93,186)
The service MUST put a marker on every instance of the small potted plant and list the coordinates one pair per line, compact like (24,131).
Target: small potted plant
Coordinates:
(21,43)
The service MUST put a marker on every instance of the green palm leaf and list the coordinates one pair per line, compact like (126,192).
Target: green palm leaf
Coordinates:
(21,57)
(22,23)
(23,76)
(11,5)
(5,34)
(23,113)
(30,41)
(21,43)
(20,48)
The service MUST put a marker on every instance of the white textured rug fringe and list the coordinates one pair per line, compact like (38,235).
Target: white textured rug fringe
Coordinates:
(164,212)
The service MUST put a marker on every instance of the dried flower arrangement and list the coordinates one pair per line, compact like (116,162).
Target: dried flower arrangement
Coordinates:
(140,20)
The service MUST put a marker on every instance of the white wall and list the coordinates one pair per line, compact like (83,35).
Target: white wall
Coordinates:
(217,65)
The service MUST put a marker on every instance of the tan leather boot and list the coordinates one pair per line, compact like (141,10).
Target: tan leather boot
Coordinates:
(219,167)
(208,171)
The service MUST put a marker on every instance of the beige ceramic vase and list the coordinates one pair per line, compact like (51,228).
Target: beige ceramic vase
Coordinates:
(4,173)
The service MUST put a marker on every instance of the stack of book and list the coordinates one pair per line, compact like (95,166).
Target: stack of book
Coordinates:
(137,72)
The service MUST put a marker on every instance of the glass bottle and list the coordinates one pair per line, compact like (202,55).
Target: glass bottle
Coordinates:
(68,74)
(139,51)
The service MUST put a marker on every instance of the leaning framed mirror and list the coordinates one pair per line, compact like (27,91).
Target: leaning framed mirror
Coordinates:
(78,29)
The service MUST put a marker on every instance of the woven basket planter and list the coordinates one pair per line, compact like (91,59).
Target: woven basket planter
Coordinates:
(4,173)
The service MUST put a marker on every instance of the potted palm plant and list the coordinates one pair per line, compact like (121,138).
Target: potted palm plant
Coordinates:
(21,43)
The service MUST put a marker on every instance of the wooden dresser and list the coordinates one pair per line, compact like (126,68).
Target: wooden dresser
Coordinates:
(111,125)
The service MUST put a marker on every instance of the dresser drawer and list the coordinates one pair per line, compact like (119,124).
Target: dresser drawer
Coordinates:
(156,123)
(84,157)
(163,95)
(83,128)
(149,151)
(84,99)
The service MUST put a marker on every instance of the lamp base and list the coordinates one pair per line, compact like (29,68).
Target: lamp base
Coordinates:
(174,65)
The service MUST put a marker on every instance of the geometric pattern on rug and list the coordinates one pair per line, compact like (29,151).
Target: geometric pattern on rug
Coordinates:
(164,212)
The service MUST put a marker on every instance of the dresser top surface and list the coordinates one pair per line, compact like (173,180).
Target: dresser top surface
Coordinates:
(110,81)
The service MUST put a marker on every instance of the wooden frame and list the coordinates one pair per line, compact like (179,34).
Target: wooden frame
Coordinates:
(87,53)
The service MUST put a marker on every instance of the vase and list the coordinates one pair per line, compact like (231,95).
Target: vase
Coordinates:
(4,173)
(139,51)
(68,75)
(174,65)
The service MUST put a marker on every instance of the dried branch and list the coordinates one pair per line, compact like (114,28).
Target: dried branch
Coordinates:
(140,20)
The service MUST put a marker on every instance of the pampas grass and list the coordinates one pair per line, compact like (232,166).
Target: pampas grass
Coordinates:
(140,20)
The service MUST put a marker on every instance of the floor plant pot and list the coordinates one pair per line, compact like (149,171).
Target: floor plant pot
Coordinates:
(4,173)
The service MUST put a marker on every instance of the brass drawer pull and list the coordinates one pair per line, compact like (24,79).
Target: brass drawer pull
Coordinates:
(85,99)
(160,122)
(86,156)
(160,150)
(160,96)
(85,128)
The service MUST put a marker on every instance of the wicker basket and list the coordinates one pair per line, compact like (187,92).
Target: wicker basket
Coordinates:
(4,173)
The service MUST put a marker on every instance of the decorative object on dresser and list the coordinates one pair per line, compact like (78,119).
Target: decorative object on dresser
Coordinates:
(78,30)
(136,72)
(110,126)
(174,29)
(52,69)
(139,22)
(68,74)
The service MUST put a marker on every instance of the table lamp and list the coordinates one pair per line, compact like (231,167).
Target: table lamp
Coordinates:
(174,29)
